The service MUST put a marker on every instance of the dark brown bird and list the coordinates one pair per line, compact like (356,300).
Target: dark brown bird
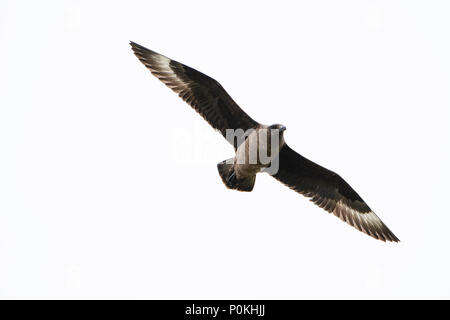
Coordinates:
(324,187)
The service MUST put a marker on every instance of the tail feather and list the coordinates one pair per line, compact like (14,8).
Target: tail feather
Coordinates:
(229,178)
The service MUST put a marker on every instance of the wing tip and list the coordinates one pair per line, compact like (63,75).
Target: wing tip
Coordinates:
(381,232)
(134,44)
(140,51)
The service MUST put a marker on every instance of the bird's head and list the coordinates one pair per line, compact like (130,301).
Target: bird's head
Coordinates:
(277,130)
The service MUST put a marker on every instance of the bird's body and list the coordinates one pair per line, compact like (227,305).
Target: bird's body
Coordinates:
(257,152)
(261,148)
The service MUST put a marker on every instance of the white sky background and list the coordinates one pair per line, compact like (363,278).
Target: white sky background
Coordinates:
(108,181)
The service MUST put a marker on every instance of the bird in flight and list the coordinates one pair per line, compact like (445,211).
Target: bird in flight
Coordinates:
(251,140)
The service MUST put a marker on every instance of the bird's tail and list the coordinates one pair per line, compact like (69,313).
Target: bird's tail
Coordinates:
(229,178)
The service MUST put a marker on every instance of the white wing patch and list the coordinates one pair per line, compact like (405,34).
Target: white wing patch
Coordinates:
(367,222)
(159,66)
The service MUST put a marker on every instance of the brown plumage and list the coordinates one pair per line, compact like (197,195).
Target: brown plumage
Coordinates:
(330,192)
(201,92)
(324,187)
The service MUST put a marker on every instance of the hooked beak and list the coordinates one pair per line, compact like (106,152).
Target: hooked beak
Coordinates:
(283,128)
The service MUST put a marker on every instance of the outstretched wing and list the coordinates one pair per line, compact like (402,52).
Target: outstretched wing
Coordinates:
(330,192)
(203,93)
